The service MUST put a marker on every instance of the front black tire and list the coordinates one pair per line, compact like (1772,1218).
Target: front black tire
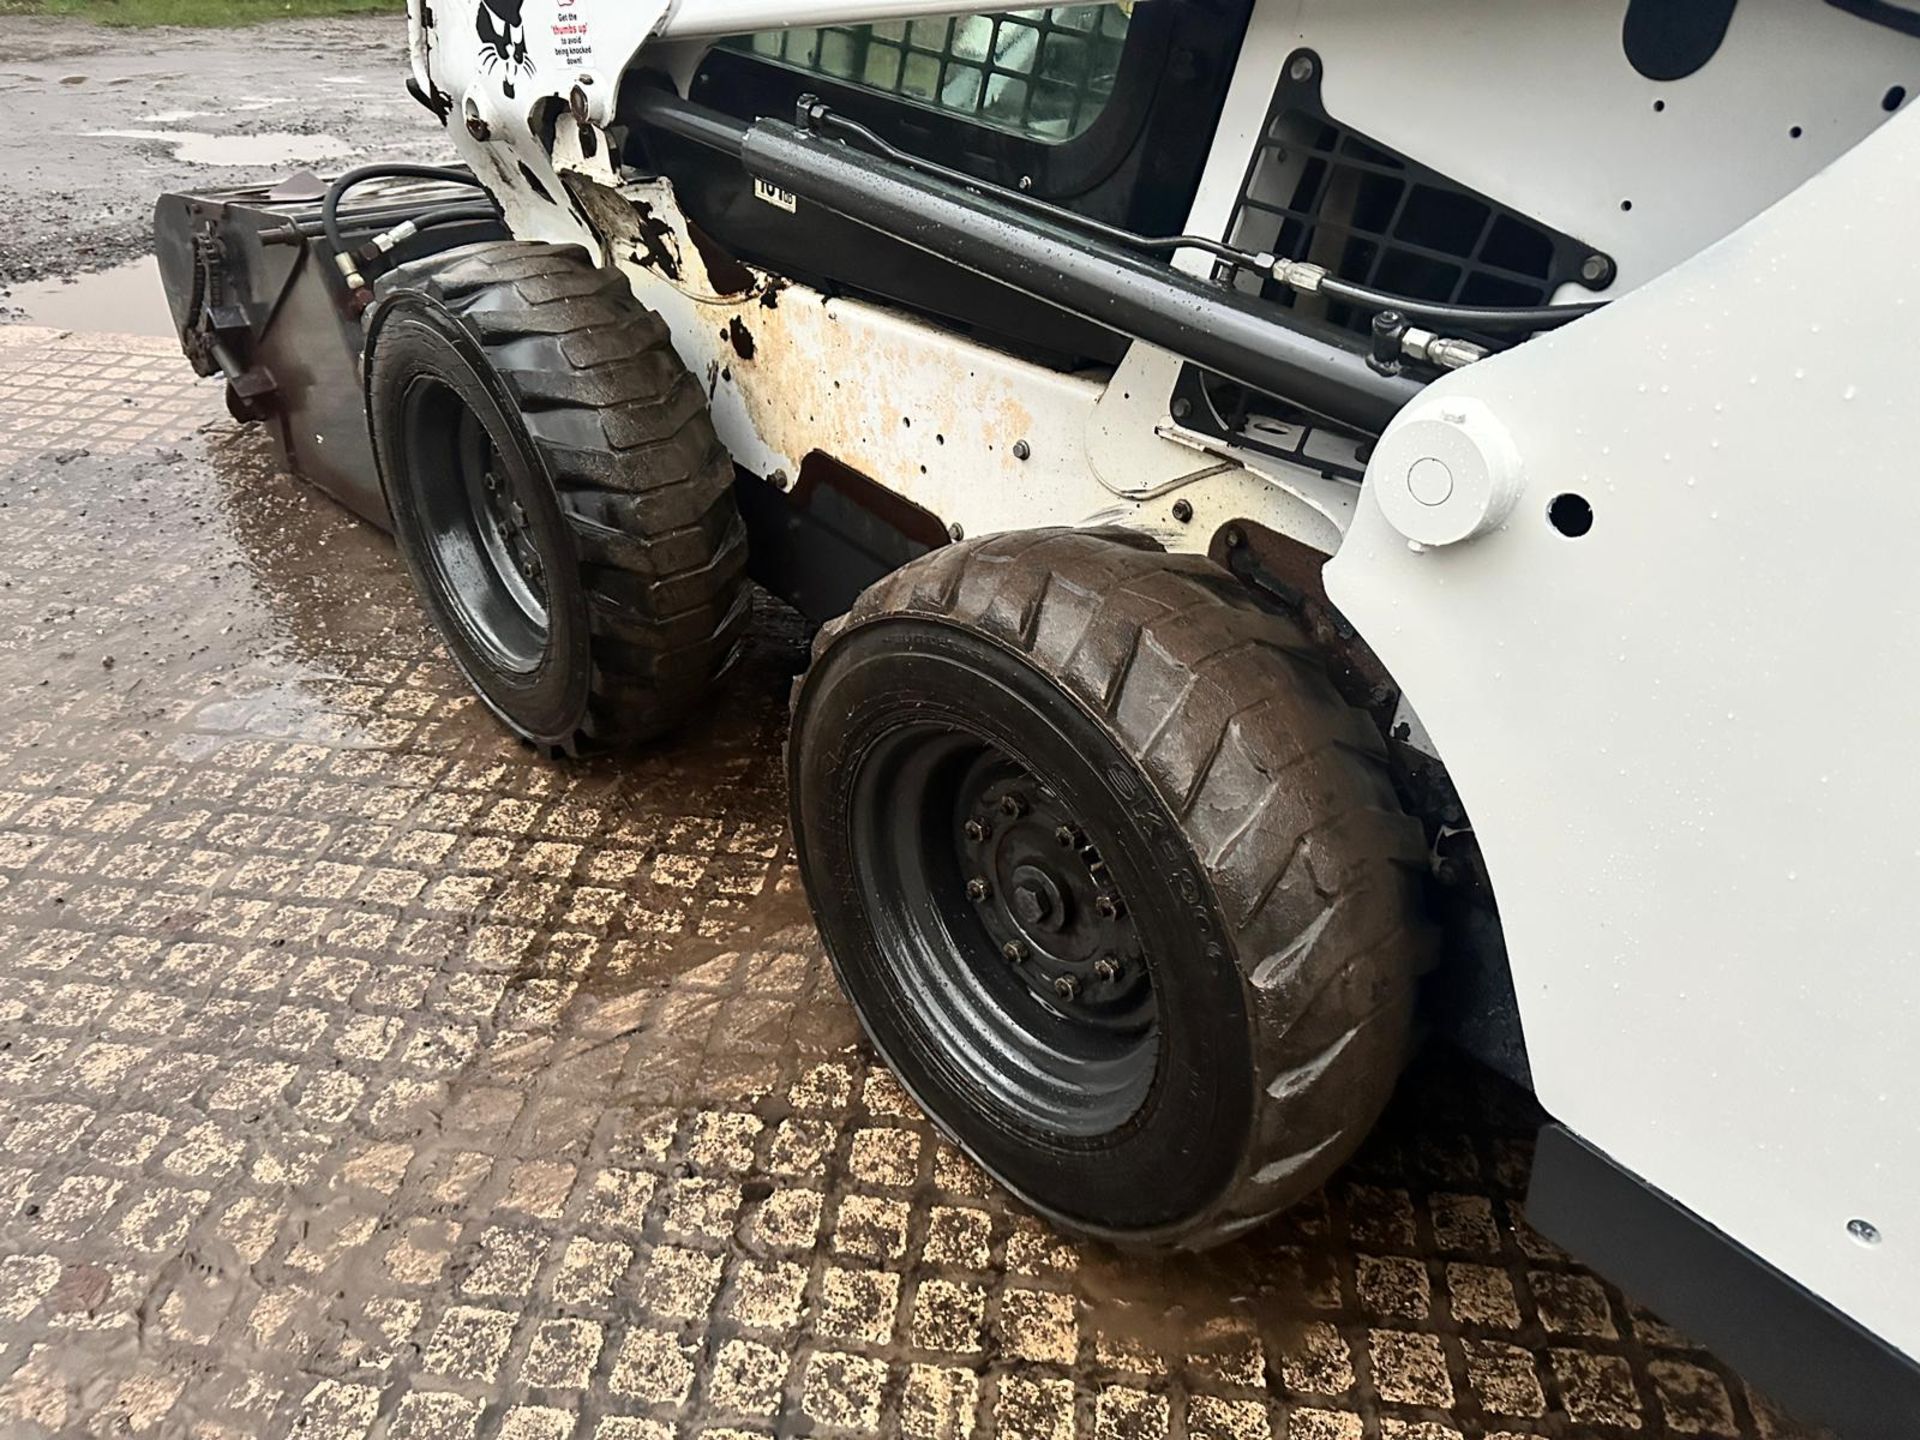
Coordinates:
(1117,883)
(557,491)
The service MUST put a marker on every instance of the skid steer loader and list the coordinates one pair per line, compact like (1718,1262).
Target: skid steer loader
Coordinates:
(1325,518)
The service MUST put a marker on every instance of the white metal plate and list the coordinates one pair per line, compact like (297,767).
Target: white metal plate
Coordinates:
(1537,106)
(1686,738)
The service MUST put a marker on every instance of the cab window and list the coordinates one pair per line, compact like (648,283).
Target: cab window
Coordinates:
(1042,74)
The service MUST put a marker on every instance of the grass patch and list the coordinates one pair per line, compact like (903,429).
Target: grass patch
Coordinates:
(199,12)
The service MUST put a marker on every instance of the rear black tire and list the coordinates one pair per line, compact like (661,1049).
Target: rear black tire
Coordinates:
(1229,844)
(557,491)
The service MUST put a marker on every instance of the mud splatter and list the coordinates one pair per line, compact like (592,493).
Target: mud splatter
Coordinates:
(740,338)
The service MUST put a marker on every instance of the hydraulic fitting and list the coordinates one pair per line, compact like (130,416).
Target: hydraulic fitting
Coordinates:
(1301,275)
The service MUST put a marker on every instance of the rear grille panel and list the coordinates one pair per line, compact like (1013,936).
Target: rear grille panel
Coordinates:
(1318,191)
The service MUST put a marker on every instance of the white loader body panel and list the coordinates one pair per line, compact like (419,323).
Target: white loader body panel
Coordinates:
(1685,738)
(1682,737)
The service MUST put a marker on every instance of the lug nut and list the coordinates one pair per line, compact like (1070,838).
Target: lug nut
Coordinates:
(1014,951)
(1106,906)
(976,831)
(978,890)
(1066,987)
(1106,968)
(1064,836)
(1013,805)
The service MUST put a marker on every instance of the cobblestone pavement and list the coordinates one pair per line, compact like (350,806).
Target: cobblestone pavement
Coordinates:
(361,1074)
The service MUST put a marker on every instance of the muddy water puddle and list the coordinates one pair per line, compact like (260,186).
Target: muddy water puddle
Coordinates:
(125,300)
(200,147)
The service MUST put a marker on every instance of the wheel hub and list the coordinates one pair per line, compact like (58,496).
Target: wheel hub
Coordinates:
(509,517)
(1045,898)
(1037,899)
(478,517)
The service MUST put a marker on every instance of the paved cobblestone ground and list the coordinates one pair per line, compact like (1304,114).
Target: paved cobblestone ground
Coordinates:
(362,1075)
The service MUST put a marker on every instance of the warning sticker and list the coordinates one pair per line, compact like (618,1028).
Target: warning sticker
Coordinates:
(572,40)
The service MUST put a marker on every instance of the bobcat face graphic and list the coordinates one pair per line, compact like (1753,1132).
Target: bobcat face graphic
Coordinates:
(503,40)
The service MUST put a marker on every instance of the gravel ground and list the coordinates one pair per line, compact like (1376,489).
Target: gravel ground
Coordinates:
(194,108)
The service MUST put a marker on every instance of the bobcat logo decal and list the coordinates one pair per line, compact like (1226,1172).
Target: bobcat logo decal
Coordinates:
(503,40)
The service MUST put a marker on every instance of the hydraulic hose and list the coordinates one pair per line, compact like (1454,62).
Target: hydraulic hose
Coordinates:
(1152,244)
(1468,317)
(330,205)
(453,215)
(1110,284)
(386,242)
(1473,317)
(691,121)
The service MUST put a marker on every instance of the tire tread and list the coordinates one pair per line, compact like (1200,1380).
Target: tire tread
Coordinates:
(645,487)
(1315,869)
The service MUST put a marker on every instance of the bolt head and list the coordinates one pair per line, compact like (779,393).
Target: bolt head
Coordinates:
(1301,68)
(956,532)
(1106,968)
(1594,269)
(1012,805)
(1067,988)
(1014,951)
(1064,837)
(1022,450)
(1182,511)
(1865,1231)
(976,831)
(1032,904)
(1106,906)
(978,889)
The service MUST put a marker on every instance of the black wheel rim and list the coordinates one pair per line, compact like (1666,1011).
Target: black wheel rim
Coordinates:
(474,498)
(1005,931)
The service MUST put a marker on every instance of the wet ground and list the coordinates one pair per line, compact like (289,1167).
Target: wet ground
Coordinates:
(128,296)
(362,1074)
(96,122)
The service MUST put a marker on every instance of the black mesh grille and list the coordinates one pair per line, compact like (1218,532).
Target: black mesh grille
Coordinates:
(1316,191)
